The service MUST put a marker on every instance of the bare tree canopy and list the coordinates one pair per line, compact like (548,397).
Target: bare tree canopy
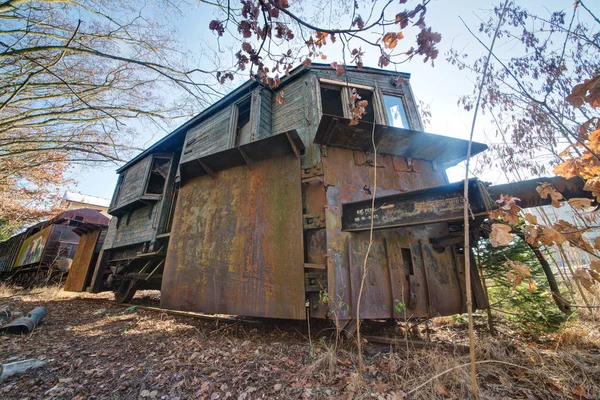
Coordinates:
(72,73)
(525,95)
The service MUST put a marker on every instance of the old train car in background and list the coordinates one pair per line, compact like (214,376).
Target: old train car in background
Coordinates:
(247,208)
(43,253)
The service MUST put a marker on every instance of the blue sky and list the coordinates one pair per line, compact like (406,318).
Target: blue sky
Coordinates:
(440,86)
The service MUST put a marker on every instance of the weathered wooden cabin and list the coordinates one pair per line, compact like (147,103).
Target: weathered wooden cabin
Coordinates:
(255,208)
(45,250)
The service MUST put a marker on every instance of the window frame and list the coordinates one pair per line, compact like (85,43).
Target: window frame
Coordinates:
(402,98)
(145,193)
(379,111)
(233,134)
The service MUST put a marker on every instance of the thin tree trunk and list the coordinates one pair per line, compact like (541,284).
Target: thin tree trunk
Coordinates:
(562,304)
(487,296)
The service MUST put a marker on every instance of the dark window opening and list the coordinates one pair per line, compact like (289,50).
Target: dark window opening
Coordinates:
(407,260)
(76,221)
(158,175)
(370,109)
(331,100)
(243,128)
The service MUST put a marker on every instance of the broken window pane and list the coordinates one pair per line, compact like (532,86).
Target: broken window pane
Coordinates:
(396,113)
(158,175)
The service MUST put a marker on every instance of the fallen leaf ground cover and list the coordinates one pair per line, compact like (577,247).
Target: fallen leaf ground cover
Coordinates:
(100,350)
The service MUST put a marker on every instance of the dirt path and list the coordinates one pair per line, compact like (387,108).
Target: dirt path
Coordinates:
(100,350)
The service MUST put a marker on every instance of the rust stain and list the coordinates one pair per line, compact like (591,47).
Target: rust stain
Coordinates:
(402,264)
(237,243)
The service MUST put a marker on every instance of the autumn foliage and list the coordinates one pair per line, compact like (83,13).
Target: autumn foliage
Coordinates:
(277,35)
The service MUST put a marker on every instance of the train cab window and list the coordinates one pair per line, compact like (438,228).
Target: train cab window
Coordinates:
(243,127)
(331,100)
(158,175)
(396,113)
(334,98)
(370,109)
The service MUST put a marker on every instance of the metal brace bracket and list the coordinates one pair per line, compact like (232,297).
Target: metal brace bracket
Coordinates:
(315,170)
(311,221)
(315,281)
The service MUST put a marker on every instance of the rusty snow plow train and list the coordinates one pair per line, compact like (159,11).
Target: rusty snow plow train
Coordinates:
(43,253)
(262,209)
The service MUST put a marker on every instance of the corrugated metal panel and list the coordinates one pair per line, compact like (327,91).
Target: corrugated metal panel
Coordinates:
(236,243)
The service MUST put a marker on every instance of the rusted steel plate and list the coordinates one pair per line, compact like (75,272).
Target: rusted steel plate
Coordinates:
(438,204)
(402,267)
(525,190)
(348,182)
(449,151)
(236,245)
(82,261)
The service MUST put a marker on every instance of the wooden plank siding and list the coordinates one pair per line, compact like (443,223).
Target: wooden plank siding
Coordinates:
(209,136)
(141,226)
(132,186)
(265,119)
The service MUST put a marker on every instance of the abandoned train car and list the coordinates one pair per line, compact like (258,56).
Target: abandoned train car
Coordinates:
(254,207)
(45,250)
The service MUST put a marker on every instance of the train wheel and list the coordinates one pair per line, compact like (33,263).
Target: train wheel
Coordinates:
(126,291)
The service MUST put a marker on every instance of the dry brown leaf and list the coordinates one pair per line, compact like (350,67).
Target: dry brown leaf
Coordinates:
(546,189)
(532,285)
(530,218)
(442,391)
(501,235)
(573,234)
(531,235)
(597,243)
(280,98)
(586,92)
(580,393)
(595,266)
(549,236)
(518,273)
(580,203)
(584,278)
(390,39)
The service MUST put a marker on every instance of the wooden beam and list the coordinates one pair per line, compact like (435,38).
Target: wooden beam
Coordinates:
(209,171)
(315,266)
(246,158)
(294,147)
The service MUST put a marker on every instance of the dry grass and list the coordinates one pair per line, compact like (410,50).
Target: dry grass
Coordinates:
(560,365)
